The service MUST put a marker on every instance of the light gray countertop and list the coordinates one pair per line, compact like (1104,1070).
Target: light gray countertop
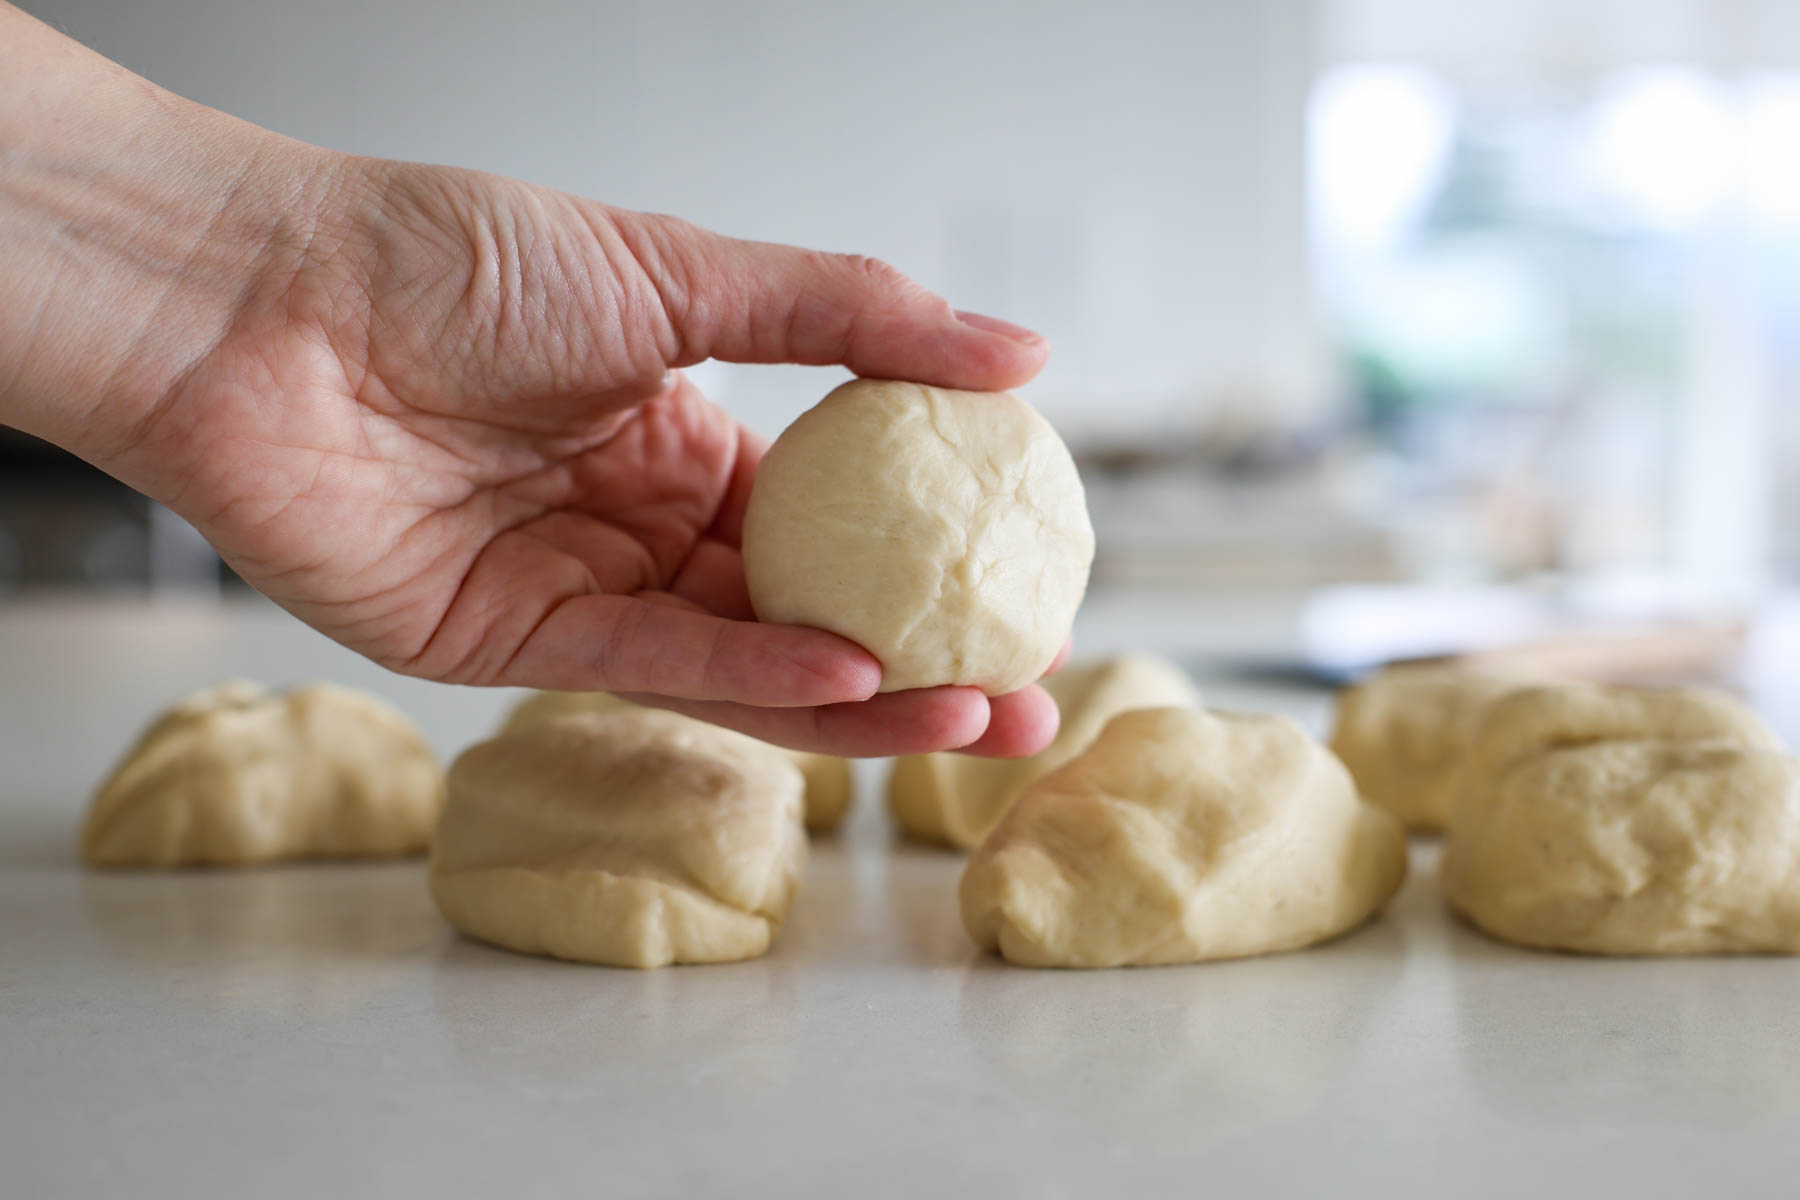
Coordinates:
(313,1031)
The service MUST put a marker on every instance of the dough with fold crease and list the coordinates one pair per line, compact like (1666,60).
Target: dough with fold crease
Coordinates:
(631,838)
(945,532)
(830,783)
(236,774)
(1182,835)
(1405,732)
(959,798)
(1627,821)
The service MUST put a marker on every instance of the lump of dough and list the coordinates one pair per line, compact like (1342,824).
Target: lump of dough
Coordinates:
(539,707)
(1530,721)
(945,532)
(830,784)
(959,798)
(236,774)
(631,838)
(1623,821)
(1182,835)
(1404,733)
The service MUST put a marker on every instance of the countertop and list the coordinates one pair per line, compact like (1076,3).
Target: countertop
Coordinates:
(311,1031)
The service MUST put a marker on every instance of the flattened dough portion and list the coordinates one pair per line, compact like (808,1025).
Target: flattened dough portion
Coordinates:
(236,774)
(945,532)
(1624,821)
(1179,836)
(631,838)
(957,799)
(1404,735)
(830,783)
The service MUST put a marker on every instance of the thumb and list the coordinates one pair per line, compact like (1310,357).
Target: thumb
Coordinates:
(757,302)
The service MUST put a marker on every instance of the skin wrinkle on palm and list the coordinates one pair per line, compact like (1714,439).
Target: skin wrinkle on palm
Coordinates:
(362,379)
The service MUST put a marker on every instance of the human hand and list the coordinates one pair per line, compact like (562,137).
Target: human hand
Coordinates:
(454,438)
(440,417)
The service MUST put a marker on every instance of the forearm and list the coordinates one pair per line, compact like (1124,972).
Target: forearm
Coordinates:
(134,225)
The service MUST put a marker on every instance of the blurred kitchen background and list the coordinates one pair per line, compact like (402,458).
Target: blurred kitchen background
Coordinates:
(1342,291)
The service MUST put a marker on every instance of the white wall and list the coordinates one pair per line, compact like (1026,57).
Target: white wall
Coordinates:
(1579,38)
(1125,176)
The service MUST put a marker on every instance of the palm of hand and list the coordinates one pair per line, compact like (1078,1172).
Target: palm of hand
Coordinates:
(441,473)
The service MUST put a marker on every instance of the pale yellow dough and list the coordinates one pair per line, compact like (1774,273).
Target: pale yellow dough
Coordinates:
(1179,836)
(237,774)
(631,838)
(1404,735)
(945,532)
(830,783)
(959,798)
(1625,821)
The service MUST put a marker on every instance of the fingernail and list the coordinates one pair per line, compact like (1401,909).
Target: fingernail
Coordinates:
(1006,329)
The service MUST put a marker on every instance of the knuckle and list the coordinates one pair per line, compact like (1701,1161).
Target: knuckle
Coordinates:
(686,270)
(877,275)
(663,250)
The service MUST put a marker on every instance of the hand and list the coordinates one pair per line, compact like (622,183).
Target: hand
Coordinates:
(442,420)
(453,438)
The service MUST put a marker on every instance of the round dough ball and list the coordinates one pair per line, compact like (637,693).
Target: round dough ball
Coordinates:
(1621,821)
(830,783)
(1404,734)
(1179,836)
(959,798)
(236,774)
(945,532)
(630,838)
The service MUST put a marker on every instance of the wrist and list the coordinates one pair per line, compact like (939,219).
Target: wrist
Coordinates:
(134,226)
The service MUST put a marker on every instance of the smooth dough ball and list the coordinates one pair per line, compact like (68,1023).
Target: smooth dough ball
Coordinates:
(830,783)
(1404,735)
(959,798)
(945,532)
(1621,821)
(236,774)
(1182,835)
(632,838)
